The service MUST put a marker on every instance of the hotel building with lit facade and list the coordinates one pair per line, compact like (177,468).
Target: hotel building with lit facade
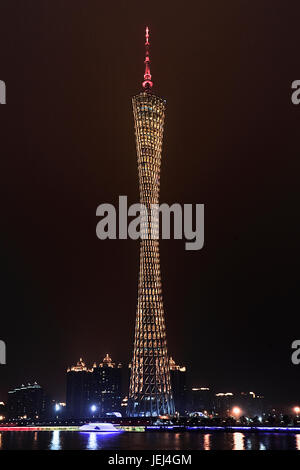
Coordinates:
(96,391)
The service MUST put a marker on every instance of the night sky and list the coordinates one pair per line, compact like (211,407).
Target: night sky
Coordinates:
(231,142)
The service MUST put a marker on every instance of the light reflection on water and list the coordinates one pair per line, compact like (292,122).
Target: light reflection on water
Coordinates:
(60,440)
(298,441)
(55,441)
(238,441)
(262,446)
(96,440)
(248,443)
(206,444)
(92,442)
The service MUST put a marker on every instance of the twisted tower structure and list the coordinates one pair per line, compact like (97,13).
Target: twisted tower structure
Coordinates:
(150,389)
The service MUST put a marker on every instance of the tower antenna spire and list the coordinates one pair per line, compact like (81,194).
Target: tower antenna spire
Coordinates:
(147,83)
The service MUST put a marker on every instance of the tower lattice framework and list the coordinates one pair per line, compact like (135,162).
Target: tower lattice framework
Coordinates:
(150,391)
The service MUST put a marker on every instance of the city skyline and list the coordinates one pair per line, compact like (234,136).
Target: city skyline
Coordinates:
(231,142)
(100,391)
(88,367)
(95,390)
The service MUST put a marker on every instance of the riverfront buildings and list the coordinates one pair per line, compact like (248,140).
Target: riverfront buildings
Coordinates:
(94,392)
(78,390)
(179,387)
(150,391)
(106,386)
(100,391)
(27,402)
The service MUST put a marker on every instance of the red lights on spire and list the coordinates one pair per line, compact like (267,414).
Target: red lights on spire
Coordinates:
(147,35)
(147,83)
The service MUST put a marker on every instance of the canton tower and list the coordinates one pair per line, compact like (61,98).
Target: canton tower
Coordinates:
(150,389)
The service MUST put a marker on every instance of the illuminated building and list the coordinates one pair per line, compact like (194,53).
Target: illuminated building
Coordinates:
(94,392)
(250,403)
(27,402)
(78,390)
(150,391)
(178,384)
(106,386)
(224,402)
(124,403)
(201,400)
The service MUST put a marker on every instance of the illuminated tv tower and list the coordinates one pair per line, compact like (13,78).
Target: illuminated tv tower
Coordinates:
(150,391)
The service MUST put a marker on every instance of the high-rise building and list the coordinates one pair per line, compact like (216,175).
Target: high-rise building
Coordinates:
(178,383)
(106,386)
(201,399)
(78,390)
(250,403)
(224,402)
(91,393)
(27,402)
(150,391)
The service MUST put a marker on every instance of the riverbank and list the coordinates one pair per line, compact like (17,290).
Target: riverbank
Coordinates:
(164,428)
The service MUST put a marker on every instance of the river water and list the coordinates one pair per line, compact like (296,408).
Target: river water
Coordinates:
(64,440)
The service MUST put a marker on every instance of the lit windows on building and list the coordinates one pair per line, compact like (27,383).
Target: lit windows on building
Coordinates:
(96,391)
(27,402)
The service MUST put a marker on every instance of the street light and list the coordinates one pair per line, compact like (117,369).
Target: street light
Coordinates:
(297,410)
(93,409)
(57,410)
(236,411)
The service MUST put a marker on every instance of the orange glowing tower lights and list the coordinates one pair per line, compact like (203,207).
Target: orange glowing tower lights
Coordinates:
(150,391)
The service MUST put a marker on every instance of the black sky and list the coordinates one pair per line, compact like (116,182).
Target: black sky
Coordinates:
(231,142)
